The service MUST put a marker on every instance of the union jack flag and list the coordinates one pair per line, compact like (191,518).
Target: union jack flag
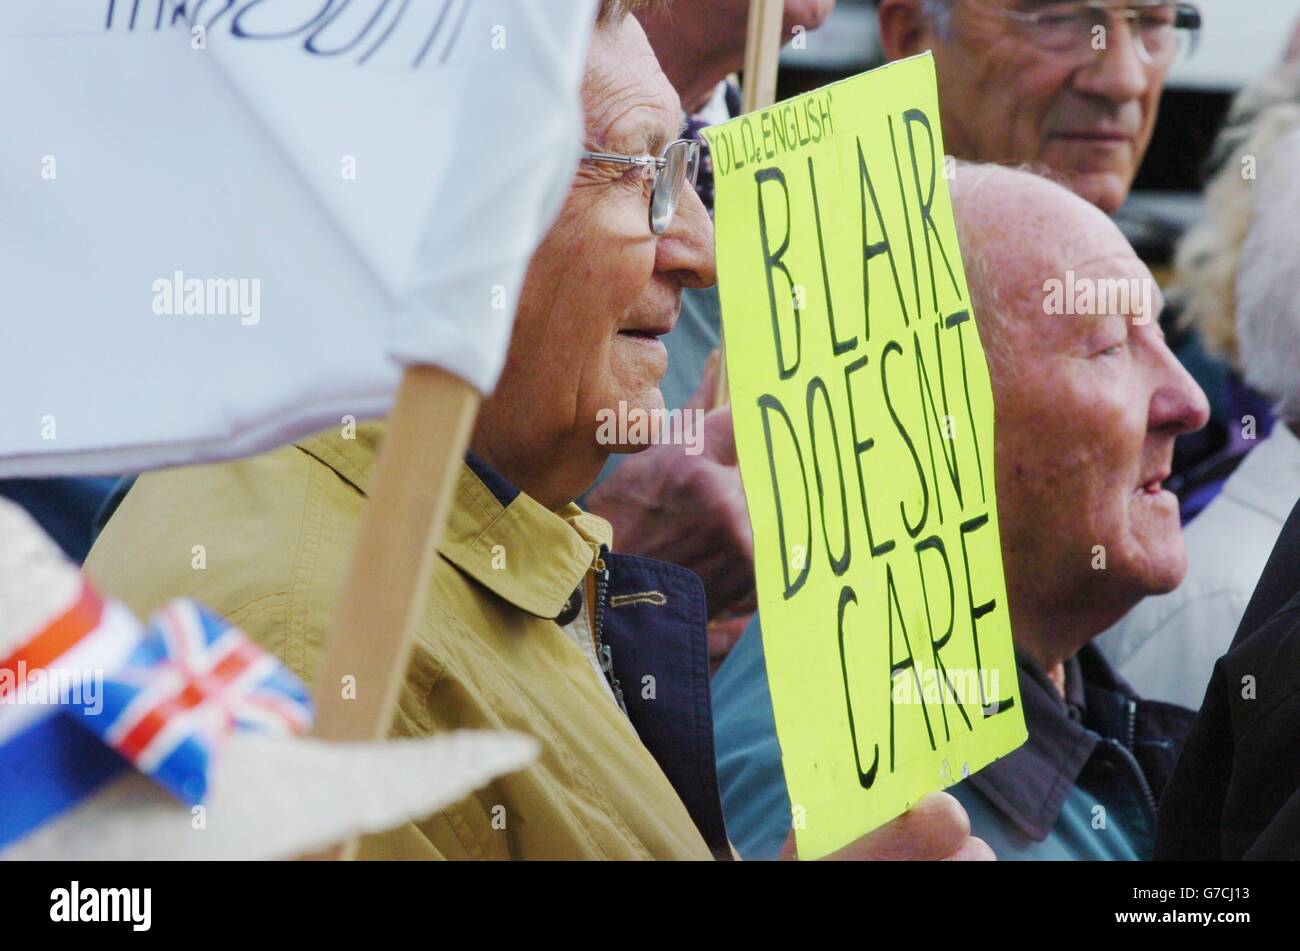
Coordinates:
(192,679)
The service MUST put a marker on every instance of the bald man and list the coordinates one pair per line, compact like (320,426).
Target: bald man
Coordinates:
(1088,407)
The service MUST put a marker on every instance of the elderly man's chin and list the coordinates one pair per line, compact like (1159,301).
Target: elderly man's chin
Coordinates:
(637,366)
(638,362)
(1100,173)
(1155,525)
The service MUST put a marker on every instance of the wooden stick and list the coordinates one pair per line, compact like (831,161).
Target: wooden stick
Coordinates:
(387,586)
(762,54)
(383,597)
(762,57)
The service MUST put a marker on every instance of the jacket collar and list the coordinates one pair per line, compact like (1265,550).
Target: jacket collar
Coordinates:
(492,526)
(1030,785)
(548,555)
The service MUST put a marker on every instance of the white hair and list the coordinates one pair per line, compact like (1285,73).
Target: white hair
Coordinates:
(1268,281)
(978,249)
(1207,257)
(967,187)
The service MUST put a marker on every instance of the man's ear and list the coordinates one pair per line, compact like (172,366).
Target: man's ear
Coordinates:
(904,29)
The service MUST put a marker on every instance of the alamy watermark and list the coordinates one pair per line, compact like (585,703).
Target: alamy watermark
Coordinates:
(75,903)
(1131,297)
(42,686)
(651,427)
(965,686)
(214,297)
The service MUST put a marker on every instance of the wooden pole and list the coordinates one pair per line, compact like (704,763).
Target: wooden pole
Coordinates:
(384,597)
(762,54)
(762,57)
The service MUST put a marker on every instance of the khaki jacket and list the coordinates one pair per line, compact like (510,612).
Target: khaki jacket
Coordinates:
(266,542)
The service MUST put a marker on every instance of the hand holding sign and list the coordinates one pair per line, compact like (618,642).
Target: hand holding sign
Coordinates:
(864,424)
(936,829)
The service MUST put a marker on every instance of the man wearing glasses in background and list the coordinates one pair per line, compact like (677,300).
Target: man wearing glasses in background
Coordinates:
(531,623)
(1071,87)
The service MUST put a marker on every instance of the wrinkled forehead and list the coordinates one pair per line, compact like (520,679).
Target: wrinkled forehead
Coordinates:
(630,105)
(1083,270)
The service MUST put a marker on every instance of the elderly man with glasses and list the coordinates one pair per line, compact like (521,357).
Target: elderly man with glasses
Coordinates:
(1073,87)
(688,507)
(532,623)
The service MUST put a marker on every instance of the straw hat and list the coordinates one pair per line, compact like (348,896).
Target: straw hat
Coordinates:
(65,795)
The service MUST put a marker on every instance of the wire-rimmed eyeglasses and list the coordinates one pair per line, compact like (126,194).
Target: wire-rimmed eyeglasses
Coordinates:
(673,171)
(1163,32)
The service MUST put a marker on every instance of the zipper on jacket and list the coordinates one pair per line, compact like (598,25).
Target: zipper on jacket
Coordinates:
(600,579)
(1136,769)
(1131,760)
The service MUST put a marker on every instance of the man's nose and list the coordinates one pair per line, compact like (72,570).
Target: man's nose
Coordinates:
(686,248)
(1116,72)
(1179,404)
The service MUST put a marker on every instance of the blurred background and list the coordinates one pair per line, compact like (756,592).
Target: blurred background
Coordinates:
(1241,39)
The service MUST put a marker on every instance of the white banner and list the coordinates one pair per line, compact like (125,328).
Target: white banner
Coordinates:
(228,223)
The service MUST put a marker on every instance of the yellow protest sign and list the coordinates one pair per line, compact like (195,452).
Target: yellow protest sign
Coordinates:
(864,425)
